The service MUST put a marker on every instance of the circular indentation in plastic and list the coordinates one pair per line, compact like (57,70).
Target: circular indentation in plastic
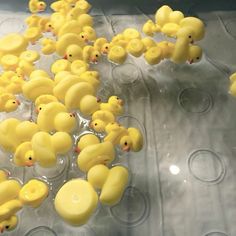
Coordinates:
(41,231)
(126,74)
(195,100)
(53,172)
(132,209)
(215,234)
(206,166)
(11,25)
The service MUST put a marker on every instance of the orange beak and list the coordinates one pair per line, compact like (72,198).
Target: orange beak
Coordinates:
(77,150)
(98,99)
(29,164)
(18,102)
(126,149)
(65,57)
(94,60)
(1,230)
(104,52)
(121,102)
(191,61)
(192,42)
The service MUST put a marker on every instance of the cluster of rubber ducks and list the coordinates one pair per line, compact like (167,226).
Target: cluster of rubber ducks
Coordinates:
(59,101)
(186,31)
(14,196)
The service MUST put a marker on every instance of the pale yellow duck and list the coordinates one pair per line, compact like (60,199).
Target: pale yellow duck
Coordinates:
(36,6)
(8,102)
(114,105)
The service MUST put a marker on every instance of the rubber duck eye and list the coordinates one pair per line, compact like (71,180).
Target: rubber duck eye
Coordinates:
(117,98)
(7,226)
(106,47)
(126,143)
(71,115)
(40,108)
(70,55)
(95,124)
(30,158)
(198,58)
(82,36)
(190,36)
(49,25)
(96,55)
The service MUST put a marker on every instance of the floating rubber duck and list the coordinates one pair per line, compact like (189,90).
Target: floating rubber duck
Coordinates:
(114,105)
(129,139)
(43,100)
(135,47)
(100,119)
(117,54)
(101,153)
(148,43)
(88,34)
(85,141)
(14,132)
(32,20)
(85,20)
(39,73)
(54,117)
(60,6)
(8,102)
(102,45)
(78,67)
(13,44)
(72,26)
(186,52)
(112,182)
(131,33)
(69,209)
(90,54)
(73,52)
(60,76)
(91,77)
(149,28)
(30,56)
(33,34)
(43,149)
(14,197)
(9,62)
(37,86)
(36,6)
(48,46)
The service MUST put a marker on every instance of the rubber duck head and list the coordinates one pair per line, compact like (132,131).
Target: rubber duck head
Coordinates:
(195,54)
(65,122)
(105,48)
(85,141)
(41,6)
(11,105)
(89,104)
(98,125)
(126,143)
(116,101)
(84,37)
(9,224)
(186,33)
(73,52)
(89,33)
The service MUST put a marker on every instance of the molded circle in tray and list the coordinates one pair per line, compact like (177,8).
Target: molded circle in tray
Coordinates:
(53,172)
(11,25)
(194,100)
(126,74)
(206,166)
(41,231)
(133,208)
(215,234)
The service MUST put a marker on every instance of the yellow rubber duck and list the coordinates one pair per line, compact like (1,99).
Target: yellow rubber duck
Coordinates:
(57,19)
(112,182)
(78,67)
(101,153)
(76,201)
(33,34)
(8,102)
(13,132)
(32,20)
(60,65)
(71,26)
(148,43)
(9,62)
(37,86)
(91,77)
(14,197)
(36,6)
(100,119)
(48,46)
(81,96)
(232,88)
(13,44)
(25,68)
(129,139)
(131,33)
(114,105)
(149,28)
(135,47)
(183,51)
(60,76)
(85,20)
(60,6)
(39,73)
(90,54)
(85,141)
(73,52)
(117,54)
(43,100)
(54,116)
(42,149)
(30,56)
(88,34)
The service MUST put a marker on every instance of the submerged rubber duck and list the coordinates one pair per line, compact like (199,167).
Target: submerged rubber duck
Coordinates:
(8,102)
(54,117)
(100,119)
(36,6)
(43,149)
(112,182)
(101,153)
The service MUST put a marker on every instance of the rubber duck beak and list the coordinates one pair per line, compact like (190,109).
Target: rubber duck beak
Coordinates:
(104,52)
(94,61)
(77,150)
(98,100)
(37,110)
(121,102)
(65,57)
(73,114)
(1,230)
(191,61)
(18,102)
(126,149)
(29,164)
(192,42)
